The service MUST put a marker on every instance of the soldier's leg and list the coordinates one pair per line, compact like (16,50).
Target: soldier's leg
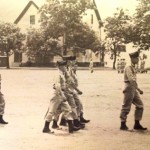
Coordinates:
(53,106)
(67,114)
(2,108)
(138,112)
(80,109)
(72,104)
(129,93)
(78,104)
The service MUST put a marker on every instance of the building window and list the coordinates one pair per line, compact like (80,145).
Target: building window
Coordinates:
(91,18)
(32,19)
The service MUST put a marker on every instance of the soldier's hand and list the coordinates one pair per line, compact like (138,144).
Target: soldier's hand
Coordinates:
(80,92)
(54,87)
(140,91)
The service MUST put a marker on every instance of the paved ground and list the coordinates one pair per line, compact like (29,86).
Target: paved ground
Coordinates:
(27,93)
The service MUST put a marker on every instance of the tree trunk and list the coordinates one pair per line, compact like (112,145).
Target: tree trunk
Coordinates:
(64,44)
(102,55)
(64,49)
(114,63)
(7,61)
(115,56)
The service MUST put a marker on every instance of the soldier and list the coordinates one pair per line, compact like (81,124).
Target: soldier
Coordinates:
(58,102)
(91,66)
(73,69)
(2,106)
(123,65)
(131,95)
(118,65)
(70,91)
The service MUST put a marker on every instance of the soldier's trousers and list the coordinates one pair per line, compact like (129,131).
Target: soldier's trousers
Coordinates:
(55,105)
(2,104)
(78,104)
(131,96)
(72,104)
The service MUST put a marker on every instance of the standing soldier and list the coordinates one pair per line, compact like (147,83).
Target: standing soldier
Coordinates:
(2,106)
(131,95)
(123,64)
(91,66)
(118,65)
(73,69)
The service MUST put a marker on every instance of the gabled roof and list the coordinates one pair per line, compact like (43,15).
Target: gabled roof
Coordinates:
(97,14)
(25,10)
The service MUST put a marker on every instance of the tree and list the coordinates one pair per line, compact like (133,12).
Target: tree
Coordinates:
(141,28)
(116,28)
(40,46)
(11,39)
(64,19)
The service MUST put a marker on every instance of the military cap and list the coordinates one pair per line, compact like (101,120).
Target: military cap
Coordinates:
(61,63)
(67,57)
(73,58)
(134,54)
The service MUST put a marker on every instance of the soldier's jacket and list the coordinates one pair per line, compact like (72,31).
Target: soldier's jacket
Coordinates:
(64,83)
(70,81)
(58,93)
(74,77)
(130,75)
(58,86)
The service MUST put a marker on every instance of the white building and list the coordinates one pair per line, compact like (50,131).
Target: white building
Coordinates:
(29,18)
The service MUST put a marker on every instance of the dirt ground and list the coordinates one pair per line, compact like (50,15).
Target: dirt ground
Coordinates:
(27,93)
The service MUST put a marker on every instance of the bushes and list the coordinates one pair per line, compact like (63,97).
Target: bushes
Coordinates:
(53,64)
(86,64)
(31,64)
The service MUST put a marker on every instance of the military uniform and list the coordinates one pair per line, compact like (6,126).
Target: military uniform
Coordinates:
(72,67)
(58,103)
(131,95)
(91,66)
(75,93)
(2,106)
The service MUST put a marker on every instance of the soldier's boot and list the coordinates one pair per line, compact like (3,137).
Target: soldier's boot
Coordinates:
(63,122)
(71,127)
(123,126)
(82,120)
(78,124)
(138,126)
(2,120)
(54,125)
(46,128)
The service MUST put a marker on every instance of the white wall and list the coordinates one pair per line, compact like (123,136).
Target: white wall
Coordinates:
(24,23)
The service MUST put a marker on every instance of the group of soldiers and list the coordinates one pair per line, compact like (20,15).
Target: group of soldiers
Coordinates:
(140,68)
(65,107)
(121,65)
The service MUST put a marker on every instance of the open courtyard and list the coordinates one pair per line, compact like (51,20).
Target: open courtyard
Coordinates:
(27,93)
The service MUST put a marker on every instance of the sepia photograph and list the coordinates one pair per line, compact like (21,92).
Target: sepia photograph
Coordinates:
(74,75)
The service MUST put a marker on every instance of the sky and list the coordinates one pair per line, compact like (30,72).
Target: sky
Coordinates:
(10,9)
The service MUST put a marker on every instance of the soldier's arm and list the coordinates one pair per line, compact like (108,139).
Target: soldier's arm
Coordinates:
(132,79)
(73,84)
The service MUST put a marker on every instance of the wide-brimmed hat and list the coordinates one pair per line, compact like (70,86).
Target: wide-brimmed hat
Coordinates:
(69,57)
(134,54)
(61,63)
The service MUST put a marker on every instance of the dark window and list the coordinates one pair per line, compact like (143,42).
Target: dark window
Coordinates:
(32,19)
(17,57)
